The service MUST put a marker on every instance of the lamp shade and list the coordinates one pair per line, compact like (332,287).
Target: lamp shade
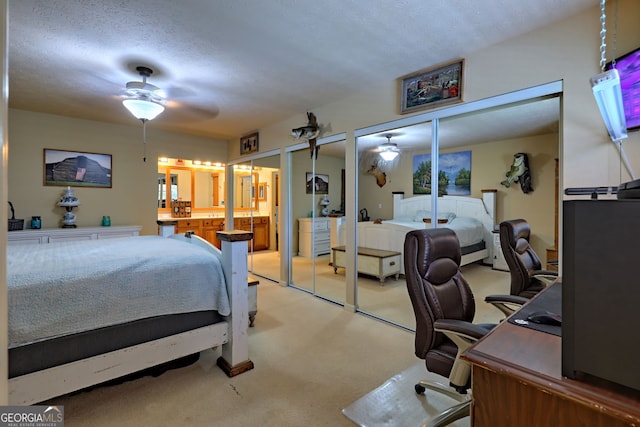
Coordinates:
(389,155)
(143,109)
(389,150)
(608,94)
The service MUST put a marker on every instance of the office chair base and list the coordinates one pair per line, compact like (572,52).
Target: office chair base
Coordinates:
(440,388)
(452,414)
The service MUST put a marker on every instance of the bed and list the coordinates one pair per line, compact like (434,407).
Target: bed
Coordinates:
(472,219)
(85,312)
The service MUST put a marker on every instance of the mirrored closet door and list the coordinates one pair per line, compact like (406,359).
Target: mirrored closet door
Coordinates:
(255,208)
(474,147)
(317,216)
(264,259)
(386,172)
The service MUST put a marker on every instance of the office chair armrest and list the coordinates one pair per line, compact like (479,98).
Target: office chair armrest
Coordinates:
(464,335)
(506,303)
(545,276)
(469,331)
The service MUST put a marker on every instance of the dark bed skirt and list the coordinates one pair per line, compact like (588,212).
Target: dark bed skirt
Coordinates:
(47,354)
(473,248)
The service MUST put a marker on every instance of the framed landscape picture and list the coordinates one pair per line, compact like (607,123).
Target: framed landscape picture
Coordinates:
(454,174)
(77,169)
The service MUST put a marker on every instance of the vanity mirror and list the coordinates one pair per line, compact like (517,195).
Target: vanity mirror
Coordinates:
(207,188)
(202,186)
(173,184)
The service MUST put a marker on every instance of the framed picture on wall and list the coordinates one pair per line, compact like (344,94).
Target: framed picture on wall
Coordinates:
(454,174)
(249,144)
(262,191)
(77,169)
(318,184)
(431,87)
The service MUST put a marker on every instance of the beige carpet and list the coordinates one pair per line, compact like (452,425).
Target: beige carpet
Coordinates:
(396,404)
(312,359)
(389,301)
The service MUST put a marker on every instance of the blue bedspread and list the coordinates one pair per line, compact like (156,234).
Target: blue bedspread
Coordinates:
(62,288)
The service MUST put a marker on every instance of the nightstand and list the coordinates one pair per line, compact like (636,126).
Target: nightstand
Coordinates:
(499,263)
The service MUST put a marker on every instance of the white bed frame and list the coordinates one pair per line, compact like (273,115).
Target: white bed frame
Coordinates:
(231,334)
(484,210)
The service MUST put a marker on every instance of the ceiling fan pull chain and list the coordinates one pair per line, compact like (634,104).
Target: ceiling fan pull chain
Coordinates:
(144,140)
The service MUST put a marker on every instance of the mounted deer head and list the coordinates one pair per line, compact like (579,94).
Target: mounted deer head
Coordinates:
(381,177)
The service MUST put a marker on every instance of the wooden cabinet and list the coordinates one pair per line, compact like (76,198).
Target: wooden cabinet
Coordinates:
(260,233)
(313,237)
(202,227)
(207,228)
(259,225)
(193,225)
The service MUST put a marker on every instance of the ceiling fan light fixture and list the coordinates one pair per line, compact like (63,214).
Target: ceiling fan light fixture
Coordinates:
(389,154)
(389,150)
(143,109)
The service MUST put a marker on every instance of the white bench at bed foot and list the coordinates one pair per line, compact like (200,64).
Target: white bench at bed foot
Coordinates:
(374,262)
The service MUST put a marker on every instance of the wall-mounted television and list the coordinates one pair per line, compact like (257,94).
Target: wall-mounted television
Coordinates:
(628,67)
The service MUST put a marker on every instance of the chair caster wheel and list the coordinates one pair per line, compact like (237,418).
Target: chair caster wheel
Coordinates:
(419,389)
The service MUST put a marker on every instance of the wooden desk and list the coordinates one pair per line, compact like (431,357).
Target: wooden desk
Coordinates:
(517,381)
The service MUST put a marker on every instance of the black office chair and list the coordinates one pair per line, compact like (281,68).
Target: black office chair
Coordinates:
(444,308)
(527,276)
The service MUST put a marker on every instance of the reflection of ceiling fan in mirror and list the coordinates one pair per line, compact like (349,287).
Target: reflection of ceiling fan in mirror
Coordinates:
(389,150)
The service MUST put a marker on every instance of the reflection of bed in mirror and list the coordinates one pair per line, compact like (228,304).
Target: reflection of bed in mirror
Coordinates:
(471,218)
(84,312)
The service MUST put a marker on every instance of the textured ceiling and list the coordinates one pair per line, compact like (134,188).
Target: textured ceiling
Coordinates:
(233,66)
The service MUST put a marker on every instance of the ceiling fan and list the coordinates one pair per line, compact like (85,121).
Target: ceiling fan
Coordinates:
(172,97)
(389,150)
(144,100)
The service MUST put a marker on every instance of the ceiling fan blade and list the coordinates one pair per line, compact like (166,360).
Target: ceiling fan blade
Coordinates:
(177,112)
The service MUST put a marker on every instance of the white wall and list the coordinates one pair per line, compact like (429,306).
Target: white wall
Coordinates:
(567,51)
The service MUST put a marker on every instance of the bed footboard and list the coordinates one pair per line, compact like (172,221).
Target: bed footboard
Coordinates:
(235,352)
(232,335)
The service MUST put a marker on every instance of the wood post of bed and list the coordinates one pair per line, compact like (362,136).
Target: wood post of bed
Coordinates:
(235,353)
